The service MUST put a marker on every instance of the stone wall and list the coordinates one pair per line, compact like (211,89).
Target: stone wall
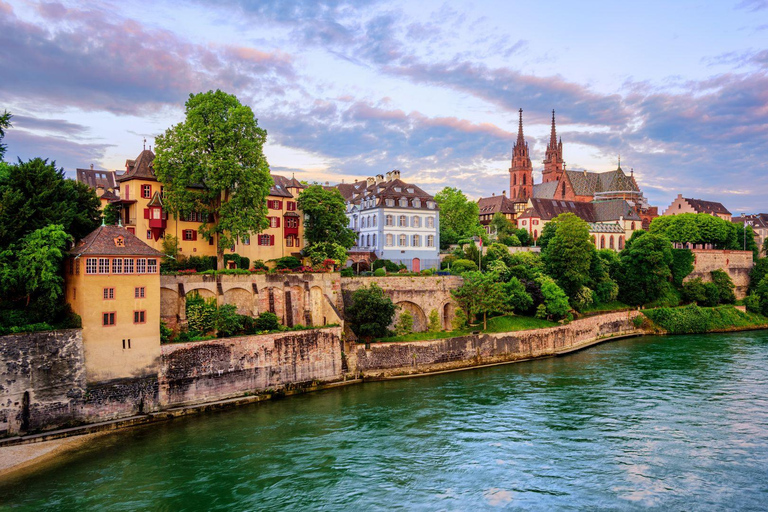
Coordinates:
(387,359)
(419,295)
(737,264)
(203,371)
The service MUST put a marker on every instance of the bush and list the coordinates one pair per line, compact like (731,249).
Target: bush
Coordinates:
(434,321)
(380,272)
(461,266)
(165,333)
(758,272)
(459,321)
(693,319)
(517,299)
(267,321)
(510,240)
(762,294)
(201,313)
(287,262)
(555,305)
(449,260)
(682,265)
(584,298)
(347,272)
(694,291)
(240,261)
(390,266)
(228,322)
(752,303)
(724,286)
(259,265)
(404,324)
(370,312)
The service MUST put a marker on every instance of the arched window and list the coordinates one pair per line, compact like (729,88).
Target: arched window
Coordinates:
(390,240)
(403,221)
(362,223)
(535,234)
(368,241)
(403,241)
(362,240)
(563,190)
(524,179)
(602,242)
(374,240)
(389,220)
(416,222)
(514,180)
(633,225)
(610,242)
(621,243)
(430,222)
(374,221)
(416,241)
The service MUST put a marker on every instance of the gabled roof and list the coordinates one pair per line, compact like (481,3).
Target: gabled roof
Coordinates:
(545,190)
(141,168)
(589,183)
(613,210)
(391,189)
(156,200)
(105,241)
(710,207)
(758,220)
(96,178)
(603,211)
(495,204)
(109,195)
(349,190)
(282,184)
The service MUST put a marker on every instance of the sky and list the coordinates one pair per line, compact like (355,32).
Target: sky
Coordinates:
(346,90)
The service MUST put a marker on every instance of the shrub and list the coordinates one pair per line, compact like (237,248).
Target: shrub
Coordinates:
(370,312)
(752,303)
(693,291)
(724,286)
(380,272)
(267,321)
(165,333)
(517,299)
(201,313)
(762,294)
(259,265)
(434,321)
(461,266)
(240,261)
(404,324)
(390,266)
(555,306)
(459,321)
(347,272)
(448,261)
(694,319)
(510,240)
(584,298)
(287,262)
(228,322)
(606,291)
(758,272)
(682,265)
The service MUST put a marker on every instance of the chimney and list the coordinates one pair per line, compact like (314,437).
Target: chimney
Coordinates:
(493,194)
(370,181)
(389,176)
(395,174)
(379,178)
(91,166)
(504,193)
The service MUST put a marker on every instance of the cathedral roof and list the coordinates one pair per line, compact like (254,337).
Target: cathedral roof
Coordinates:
(589,183)
(613,210)
(494,204)
(545,190)
(604,211)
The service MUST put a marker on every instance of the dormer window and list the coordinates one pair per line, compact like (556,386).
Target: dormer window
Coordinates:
(398,189)
(390,202)
(410,191)
(431,205)
(417,203)
(403,202)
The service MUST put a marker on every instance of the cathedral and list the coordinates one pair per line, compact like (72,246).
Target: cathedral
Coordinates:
(560,184)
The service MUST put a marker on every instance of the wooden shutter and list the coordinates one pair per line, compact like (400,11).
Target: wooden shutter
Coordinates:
(194,235)
(271,239)
(278,222)
(146,213)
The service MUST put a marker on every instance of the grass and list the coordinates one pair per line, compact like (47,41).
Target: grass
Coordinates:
(606,307)
(505,323)
(693,319)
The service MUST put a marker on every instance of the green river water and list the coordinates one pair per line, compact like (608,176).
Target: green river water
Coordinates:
(667,423)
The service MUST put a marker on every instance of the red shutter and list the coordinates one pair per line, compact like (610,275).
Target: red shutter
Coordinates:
(271,239)
(146,213)
(278,222)
(194,235)
(279,205)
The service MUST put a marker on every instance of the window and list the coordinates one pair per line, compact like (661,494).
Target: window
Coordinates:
(126,189)
(410,190)
(388,221)
(416,241)
(90,265)
(146,191)
(103,265)
(368,241)
(275,205)
(362,241)
(363,222)
(390,202)
(292,241)
(138,292)
(291,222)
(141,266)
(149,234)
(108,319)
(403,241)
(266,240)
(621,243)
(430,240)
(403,221)
(291,206)
(417,203)
(398,189)
(274,222)
(602,242)
(389,241)
(74,293)
(127,265)
(246,240)
(525,223)
(374,240)
(610,242)
(430,222)
(431,205)
(109,293)
(374,221)
(139,317)
(633,225)
(195,217)
(189,235)
(403,202)
(129,343)
(416,222)
(151,266)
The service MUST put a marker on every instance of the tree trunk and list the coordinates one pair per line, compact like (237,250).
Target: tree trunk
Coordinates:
(485,321)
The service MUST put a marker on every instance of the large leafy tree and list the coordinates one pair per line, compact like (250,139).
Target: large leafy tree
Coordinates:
(213,163)
(645,269)
(568,254)
(326,225)
(34,194)
(5,122)
(370,312)
(458,216)
(481,294)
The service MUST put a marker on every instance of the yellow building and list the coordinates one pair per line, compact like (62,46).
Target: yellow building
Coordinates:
(113,283)
(143,214)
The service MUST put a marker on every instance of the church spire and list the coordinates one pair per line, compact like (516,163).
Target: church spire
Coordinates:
(553,161)
(521,171)
(553,135)
(520,139)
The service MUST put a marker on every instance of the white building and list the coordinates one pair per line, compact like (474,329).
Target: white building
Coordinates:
(393,220)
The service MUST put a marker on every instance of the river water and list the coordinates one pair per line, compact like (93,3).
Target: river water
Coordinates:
(671,423)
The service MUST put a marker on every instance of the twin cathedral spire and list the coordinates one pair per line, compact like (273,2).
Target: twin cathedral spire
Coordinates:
(521,171)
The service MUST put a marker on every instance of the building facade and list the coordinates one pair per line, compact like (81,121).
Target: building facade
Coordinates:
(393,220)
(759,223)
(689,205)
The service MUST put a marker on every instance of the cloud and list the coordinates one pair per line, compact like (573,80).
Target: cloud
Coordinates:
(753,5)
(60,126)
(66,152)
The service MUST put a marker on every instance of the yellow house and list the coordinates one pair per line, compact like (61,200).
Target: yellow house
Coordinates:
(113,283)
(143,214)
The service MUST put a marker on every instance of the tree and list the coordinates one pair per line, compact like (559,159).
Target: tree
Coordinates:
(213,163)
(370,312)
(724,286)
(5,122)
(515,296)
(765,247)
(326,218)
(319,252)
(645,269)
(568,253)
(480,293)
(404,324)
(554,304)
(34,194)
(459,217)
(110,214)
(502,225)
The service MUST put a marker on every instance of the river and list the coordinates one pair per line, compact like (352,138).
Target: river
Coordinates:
(672,423)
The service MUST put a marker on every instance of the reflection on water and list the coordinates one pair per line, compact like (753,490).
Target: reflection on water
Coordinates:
(675,423)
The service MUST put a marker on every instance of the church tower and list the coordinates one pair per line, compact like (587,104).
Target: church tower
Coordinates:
(521,172)
(553,163)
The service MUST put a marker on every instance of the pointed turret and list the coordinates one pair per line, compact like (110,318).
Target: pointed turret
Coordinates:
(521,171)
(553,161)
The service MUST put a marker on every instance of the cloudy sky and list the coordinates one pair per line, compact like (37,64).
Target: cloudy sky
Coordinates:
(351,89)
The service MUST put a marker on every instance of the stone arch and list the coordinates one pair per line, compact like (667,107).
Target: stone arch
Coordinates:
(448,313)
(203,292)
(419,318)
(241,298)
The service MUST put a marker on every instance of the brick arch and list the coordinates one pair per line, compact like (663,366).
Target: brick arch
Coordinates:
(241,297)
(419,318)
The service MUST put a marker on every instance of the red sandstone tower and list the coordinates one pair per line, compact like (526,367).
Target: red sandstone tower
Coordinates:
(521,172)
(553,163)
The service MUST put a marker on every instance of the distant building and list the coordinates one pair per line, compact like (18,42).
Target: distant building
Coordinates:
(393,220)
(611,222)
(688,205)
(759,223)
(113,282)
(488,207)
(101,181)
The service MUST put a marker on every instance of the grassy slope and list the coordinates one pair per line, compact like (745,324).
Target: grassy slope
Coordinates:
(694,319)
(505,323)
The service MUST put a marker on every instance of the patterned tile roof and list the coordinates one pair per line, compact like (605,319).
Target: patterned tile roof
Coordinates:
(545,190)
(604,211)
(589,183)
(605,228)
(613,210)
(112,241)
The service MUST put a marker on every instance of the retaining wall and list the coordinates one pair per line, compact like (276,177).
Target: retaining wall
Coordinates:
(737,264)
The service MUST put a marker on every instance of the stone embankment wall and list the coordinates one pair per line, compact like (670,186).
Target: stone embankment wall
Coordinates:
(419,295)
(737,264)
(216,369)
(390,359)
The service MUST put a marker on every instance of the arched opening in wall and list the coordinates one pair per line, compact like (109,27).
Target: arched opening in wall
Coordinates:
(361,266)
(610,242)
(602,242)
(449,313)
(241,298)
(316,302)
(621,243)
(419,318)
(514,180)
(203,292)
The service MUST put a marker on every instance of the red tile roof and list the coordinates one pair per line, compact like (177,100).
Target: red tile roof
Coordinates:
(112,241)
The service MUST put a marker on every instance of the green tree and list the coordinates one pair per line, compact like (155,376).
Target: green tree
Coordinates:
(110,214)
(645,269)
(764,249)
(515,296)
(5,122)
(459,217)
(758,272)
(502,225)
(434,321)
(480,294)
(404,324)
(319,252)
(555,302)
(34,194)
(213,163)
(325,214)
(171,246)
(568,254)
(370,312)
(724,286)
(682,265)
(761,290)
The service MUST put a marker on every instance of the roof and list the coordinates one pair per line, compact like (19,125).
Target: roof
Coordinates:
(758,220)
(613,210)
(545,190)
(282,184)
(596,212)
(710,207)
(586,183)
(104,241)
(349,190)
(109,195)
(96,178)
(605,228)
(140,168)
(495,204)
(393,188)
